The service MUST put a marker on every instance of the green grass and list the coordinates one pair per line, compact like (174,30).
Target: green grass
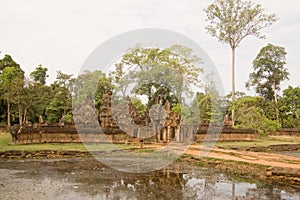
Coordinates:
(5,139)
(144,150)
(263,142)
(6,145)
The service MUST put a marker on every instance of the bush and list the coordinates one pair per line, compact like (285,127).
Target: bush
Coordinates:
(252,118)
(68,118)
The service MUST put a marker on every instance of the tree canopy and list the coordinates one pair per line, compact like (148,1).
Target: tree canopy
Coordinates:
(268,71)
(233,20)
(39,75)
(161,74)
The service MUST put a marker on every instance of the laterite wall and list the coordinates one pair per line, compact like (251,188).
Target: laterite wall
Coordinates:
(68,134)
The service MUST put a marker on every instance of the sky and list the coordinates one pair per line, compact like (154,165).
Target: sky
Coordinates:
(61,34)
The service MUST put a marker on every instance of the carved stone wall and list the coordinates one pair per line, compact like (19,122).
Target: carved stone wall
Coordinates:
(85,115)
(106,118)
(68,134)
(159,125)
(292,132)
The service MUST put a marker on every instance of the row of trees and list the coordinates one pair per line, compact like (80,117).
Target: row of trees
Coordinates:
(230,21)
(165,74)
(26,99)
(160,75)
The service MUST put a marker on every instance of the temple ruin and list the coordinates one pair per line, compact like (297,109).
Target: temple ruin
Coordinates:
(121,123)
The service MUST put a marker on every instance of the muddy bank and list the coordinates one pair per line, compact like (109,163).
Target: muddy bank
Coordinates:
(276,148)
(280,176)
(86,178)
(21,154)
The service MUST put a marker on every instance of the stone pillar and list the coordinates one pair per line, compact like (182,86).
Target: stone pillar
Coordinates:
(164,135)
(158,136)
(168,134)
(177,136)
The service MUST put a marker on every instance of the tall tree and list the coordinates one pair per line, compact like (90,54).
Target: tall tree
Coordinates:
(95,83)
(39,75)
(161,74)
(7,61)
(37,98)
(233,20)
(11,83)
(268,73)
(61,103)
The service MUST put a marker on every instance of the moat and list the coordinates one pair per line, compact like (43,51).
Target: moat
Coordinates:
(86,178)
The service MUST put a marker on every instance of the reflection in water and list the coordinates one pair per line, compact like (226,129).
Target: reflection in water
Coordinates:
(79,179)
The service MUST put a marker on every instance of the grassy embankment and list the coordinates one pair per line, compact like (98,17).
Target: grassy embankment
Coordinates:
(261,142)
(6,145)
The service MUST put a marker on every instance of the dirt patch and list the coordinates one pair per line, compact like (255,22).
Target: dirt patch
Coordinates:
(276,148)
(273,175)
(18,154)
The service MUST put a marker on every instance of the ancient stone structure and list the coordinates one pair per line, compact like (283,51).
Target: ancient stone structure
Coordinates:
(85,115)
(292,132)
(228,121)
(171,127)
(69,134)
(106,119)
(121,123)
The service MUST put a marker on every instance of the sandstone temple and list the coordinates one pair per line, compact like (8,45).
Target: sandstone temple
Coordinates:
(121,123)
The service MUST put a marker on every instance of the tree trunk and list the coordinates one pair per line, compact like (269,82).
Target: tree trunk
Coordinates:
(8,113)
(233,85)
(276,102)
(20,115)
(25,115)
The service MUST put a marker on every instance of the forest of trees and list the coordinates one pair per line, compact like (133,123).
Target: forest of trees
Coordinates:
(30,100)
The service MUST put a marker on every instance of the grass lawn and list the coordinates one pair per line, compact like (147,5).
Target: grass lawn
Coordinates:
(6,145)
(263,142)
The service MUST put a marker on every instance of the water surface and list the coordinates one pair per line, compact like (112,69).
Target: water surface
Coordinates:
(89,179)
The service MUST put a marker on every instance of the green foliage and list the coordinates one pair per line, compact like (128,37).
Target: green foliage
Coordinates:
(139,105)
(38,98)
(289,106)
(205,105)
(11,85)
(188,114)
(39,75)
(61,103)
(68,117)
(177,108)
(160,74)
(232,20)
(238,94)
(7,61)
(55,109)
(211,107)
(94,83)
(269,71)
(250,114)
(12,77)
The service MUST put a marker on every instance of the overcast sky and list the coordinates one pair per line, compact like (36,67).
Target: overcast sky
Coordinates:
(60,34)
